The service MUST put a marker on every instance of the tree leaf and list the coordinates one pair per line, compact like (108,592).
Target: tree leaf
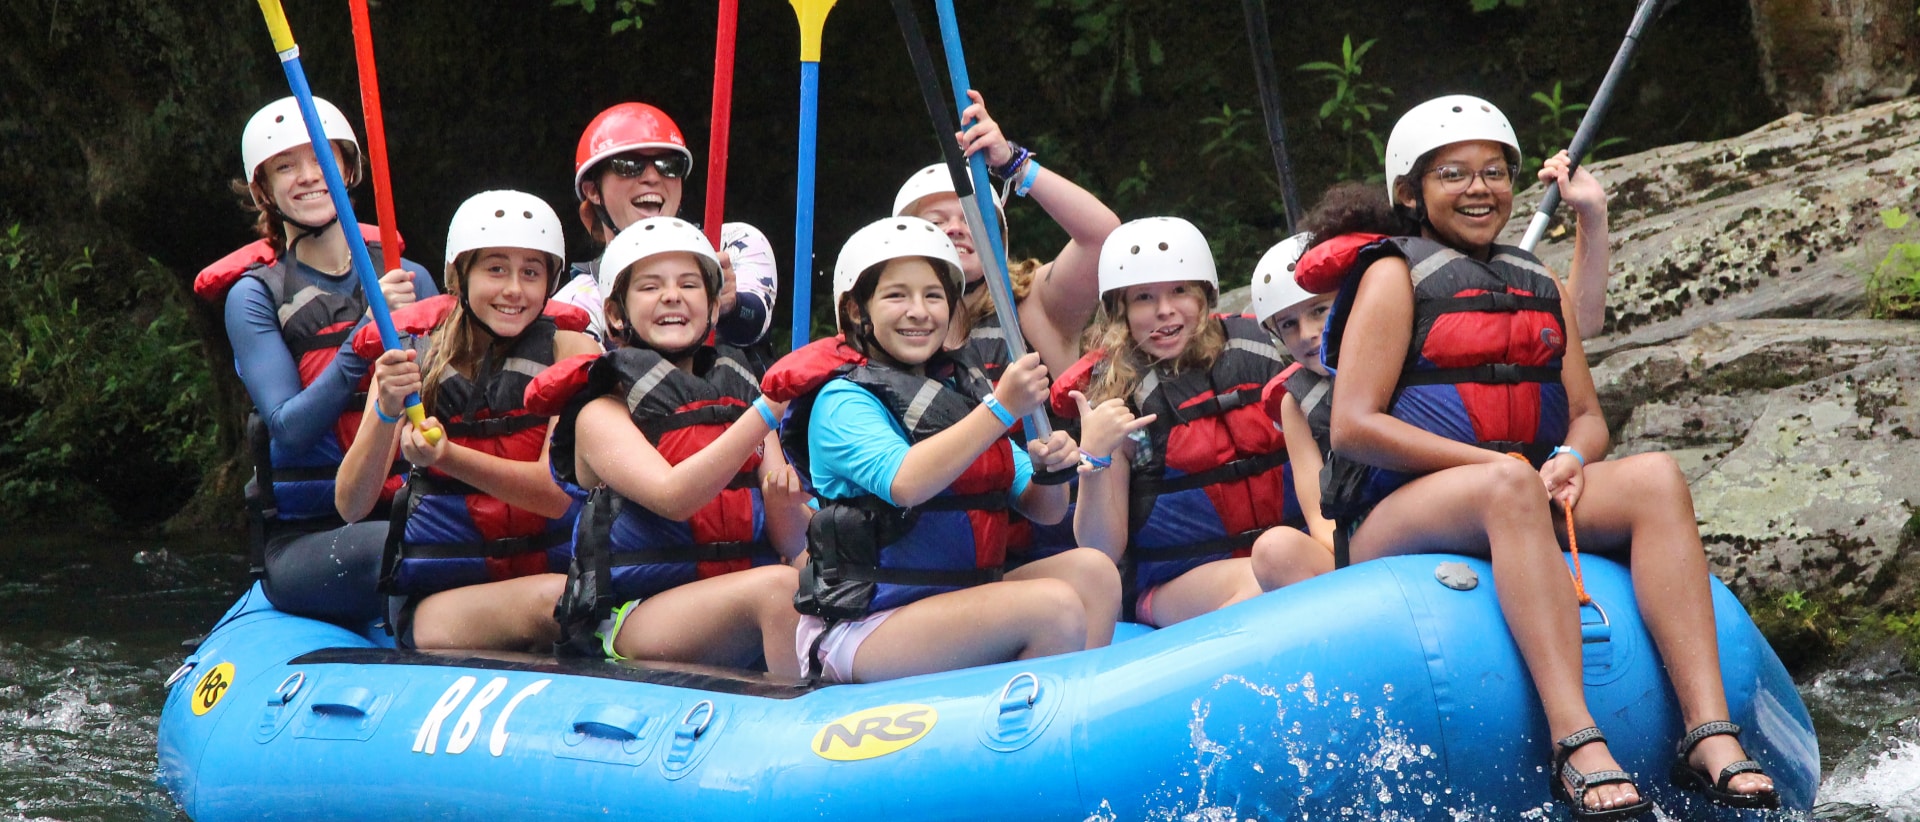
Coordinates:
(1894,218)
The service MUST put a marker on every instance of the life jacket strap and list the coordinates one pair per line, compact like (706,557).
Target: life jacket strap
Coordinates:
(1218,545)
(1496,303)
(1491,374)
(1228,472)
(1219,404)
(917,576)
(321,342)
(495,427)
(705,415)
(490,549)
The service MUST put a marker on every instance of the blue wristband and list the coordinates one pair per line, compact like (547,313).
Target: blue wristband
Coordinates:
(1026,181)
(382,414)
(1563,449)
(992,403)
(760,405)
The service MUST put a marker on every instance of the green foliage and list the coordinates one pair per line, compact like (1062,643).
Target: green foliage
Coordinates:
(1107,28)
(1348,110)
(1559,124)
(626,12)
(107,392)
(1482,6)
(1893,288)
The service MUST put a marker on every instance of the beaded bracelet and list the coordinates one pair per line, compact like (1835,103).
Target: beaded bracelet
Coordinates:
(1026,182)
(992,403)
(1012,166)
(382,414)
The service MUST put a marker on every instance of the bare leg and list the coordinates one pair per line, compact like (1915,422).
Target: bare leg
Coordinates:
(1204,590)
(1285,555)
(730,619)
(996,622)
(1500,510)
(1093,577)
(1642,502)
(509,615)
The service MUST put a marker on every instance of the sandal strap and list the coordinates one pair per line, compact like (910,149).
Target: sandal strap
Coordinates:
(1582,782)
(1579,739)
(1718,727)
(1729,772)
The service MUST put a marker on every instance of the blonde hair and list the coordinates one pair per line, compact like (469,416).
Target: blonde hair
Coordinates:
(980,307)
(1119,375)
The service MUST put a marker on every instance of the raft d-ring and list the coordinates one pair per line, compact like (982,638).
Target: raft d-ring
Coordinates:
(1016,678)
(177,673)
(288,688)
(1601,631)
(688,719)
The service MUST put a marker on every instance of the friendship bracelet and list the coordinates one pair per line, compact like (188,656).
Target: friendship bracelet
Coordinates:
(1012,166)
(1026,182)
(1093,463)
(992,403)
(382,414)
(1565,449)
(766,413)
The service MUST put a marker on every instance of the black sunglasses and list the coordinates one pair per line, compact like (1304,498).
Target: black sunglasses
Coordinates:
(672,165)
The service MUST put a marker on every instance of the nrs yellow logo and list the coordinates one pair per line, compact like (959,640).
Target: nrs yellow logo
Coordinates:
(211,688)
(874,732)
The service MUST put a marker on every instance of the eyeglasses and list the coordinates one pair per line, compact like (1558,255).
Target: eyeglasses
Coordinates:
(1455,179)
(671,165)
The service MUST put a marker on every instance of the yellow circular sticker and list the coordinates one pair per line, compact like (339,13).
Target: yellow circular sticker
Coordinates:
(874,732)
(211,688)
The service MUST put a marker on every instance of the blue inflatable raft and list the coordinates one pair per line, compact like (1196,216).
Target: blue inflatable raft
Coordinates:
(1390,690)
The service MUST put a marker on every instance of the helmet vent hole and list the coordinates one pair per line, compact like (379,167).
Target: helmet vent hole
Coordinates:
(280,119)
(527,214)
(900,227)
(500,212)
(1268,279)
(1136,249)
(1163,246)
(1457,109)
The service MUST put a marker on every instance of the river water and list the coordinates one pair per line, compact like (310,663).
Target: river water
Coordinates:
(90,627)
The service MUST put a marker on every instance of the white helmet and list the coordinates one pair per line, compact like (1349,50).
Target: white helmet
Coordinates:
(933,179)
(278,127)
(1443,121)
(1155,250)
(507,219)
(892,239)
(653,236)
(1274,289)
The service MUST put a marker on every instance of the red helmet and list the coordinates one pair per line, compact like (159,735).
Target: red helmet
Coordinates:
(622,128)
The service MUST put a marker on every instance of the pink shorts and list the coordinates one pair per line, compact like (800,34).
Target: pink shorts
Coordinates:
(839,646)
(1143,608)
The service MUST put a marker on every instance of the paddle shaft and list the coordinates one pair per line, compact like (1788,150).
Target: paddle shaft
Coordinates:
(337,189)
(813,20)
(723,41)
(1263,74)
(1590,122)
(983,217)
(376,135)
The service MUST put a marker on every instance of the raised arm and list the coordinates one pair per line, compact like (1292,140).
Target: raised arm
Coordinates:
(1587,276)
(296,417)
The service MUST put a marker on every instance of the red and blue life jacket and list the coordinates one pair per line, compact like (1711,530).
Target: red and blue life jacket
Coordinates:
(1212,476)
(1483,365)
(866,555)
(288,486)
(445,533)
(1314,394)
(633,551)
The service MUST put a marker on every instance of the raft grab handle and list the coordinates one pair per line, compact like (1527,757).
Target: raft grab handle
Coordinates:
(694,732)
(616,722)
(1595,632)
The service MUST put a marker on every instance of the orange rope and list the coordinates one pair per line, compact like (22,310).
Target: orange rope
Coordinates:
(1573,546)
